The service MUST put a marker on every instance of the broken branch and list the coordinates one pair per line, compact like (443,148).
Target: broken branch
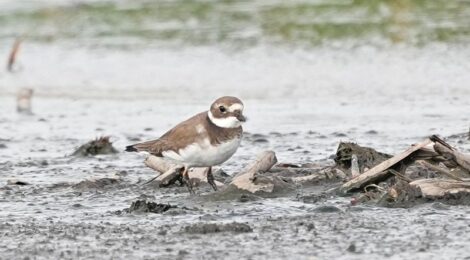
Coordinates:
(246,179)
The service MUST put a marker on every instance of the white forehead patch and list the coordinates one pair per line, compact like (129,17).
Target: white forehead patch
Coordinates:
(227,122)
(236,106)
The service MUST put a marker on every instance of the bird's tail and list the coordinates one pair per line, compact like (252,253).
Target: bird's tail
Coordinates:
(131,148)
(141,147)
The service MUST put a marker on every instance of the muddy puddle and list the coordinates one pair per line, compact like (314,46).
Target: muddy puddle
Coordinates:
(85,207)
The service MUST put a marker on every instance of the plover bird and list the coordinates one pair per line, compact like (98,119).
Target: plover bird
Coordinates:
(205,140)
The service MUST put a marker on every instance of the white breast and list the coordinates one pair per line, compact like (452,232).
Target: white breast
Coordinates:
(204,154)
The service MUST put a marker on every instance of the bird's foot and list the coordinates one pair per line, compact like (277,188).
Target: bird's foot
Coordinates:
(189,185)
(190,188)
(210,179)
(186,180)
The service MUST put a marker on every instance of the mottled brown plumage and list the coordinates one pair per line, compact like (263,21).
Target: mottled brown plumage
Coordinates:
(186,133)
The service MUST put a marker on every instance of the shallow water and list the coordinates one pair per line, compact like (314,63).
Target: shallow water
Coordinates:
(311,74)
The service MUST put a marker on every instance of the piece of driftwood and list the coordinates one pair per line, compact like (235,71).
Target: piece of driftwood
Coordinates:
(327,174)
(247,179)
(312,178)
(170,176)
(440,170)
(263,163)
(440,188)
(380,172)
(450,153)
(162,167)
(157,163)
(169,173)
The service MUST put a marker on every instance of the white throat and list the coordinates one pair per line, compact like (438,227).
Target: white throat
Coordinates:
(228,122)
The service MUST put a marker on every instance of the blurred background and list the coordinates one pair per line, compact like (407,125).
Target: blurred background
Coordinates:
(254,49)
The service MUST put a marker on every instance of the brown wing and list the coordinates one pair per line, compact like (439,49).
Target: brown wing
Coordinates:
(176,138)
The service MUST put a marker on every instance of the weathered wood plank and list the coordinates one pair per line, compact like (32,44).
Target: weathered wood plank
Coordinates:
(379,172)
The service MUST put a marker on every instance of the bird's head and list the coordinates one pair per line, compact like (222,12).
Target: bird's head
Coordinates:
(227,112)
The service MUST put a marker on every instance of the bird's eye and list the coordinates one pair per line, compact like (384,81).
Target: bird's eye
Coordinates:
(222,109)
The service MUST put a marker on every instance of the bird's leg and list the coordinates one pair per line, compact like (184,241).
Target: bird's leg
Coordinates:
(186,180)
(210,179)
(180,178)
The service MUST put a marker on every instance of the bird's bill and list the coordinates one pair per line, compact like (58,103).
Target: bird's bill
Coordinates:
(241,118)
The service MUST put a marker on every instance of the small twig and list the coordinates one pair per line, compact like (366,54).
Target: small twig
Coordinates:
(440,170)
(373,186)
(287,165)
(400,175)
(147,182)
(437,139)
(355,170)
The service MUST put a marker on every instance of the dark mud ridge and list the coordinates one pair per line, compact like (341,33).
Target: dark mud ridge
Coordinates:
(99,183)
(205,228)
(98,146)
(143,206)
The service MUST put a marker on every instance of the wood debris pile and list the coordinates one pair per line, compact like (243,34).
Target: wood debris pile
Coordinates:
(427,171)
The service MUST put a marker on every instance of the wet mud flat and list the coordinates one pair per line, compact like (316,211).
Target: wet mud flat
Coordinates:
(67,222)
(85,207)
(77,221)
